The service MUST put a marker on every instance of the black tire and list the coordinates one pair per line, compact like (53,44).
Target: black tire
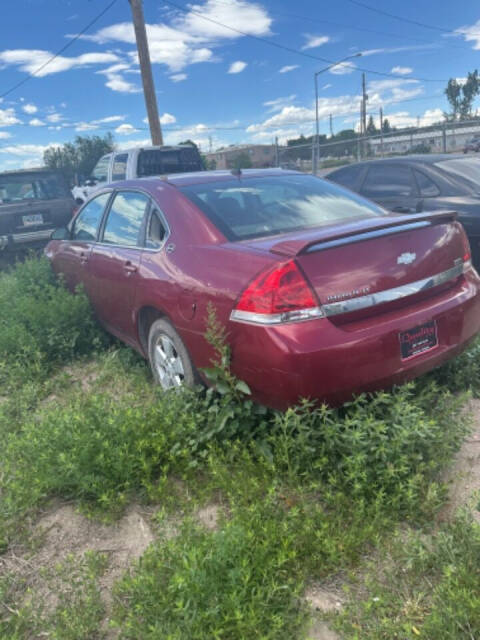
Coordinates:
(164,343)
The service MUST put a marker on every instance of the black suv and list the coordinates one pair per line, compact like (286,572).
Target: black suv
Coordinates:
(33,202)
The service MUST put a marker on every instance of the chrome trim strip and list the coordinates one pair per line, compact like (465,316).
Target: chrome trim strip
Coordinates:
(300,315)
(367,235)
(31,236)
(373,299)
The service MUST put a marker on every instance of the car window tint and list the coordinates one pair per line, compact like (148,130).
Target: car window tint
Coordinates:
(256,207)
(100,171)
(385,181)
(347,177)
(125,218)
(156,231)
(426,186)
(120,166)
(86,224)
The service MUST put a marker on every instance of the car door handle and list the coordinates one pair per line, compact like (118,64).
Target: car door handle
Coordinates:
(83,257)
(129,268)
(402,210)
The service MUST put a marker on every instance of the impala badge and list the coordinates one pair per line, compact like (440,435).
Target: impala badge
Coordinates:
(406,258)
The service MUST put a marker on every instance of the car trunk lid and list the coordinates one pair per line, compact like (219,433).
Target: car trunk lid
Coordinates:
(355,268)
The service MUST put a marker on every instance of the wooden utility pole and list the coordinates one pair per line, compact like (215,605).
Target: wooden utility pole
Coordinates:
(331,126)
(146,69)
(364,114)
(381,131)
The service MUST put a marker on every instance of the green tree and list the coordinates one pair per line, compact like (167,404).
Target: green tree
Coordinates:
(461,95)
(371,128)
(386,126)
(242,161)
(78,158)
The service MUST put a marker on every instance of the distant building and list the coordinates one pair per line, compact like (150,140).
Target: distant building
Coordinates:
(455,139)
(259,155)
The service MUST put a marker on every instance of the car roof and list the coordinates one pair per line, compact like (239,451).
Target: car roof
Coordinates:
(30,170)
(418,158)
(199,177)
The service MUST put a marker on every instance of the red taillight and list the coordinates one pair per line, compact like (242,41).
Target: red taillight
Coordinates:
(467,253)
(281,294)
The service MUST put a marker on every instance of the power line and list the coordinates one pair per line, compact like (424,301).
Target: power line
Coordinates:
(402,19)
(277,12)
(272,43)
(60,51)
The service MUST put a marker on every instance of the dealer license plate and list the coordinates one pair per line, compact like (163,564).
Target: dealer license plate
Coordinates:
(418,340)
(32,219)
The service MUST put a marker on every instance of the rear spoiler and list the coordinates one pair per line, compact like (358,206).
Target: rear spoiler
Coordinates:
(336,236)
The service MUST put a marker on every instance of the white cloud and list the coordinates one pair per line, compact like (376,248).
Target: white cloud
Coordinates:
(342,68)
(54,117)
(403,119)
(85,126)
(8,117)
(125,129)
(109,119)
(411,47)
(326,86)
(178,77)
(4,135)
(237,67)
(29,60)
(314,41)
(29,108)
(36,122)
(279,103)
(116,82)
(470,34)
(167,118)
(24,150)
(189,38)
(288,67)
(403,71)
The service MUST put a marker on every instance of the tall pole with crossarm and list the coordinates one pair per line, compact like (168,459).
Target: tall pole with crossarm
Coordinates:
(146,70)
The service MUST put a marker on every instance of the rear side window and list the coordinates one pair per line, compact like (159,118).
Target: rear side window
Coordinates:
(154,162)
(426,186)
(125,218)
(385,181)
(347,177)
(255,207)
(120,166)
(31,186)
(86,224)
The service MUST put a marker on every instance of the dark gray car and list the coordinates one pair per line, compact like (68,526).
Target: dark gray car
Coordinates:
(33,202)
(416,183)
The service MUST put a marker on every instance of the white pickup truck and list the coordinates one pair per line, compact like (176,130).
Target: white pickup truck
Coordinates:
(137,163)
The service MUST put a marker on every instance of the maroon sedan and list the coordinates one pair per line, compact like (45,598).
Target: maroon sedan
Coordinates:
(323,293)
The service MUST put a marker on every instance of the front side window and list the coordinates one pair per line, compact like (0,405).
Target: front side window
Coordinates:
(125,218)
(85,227)
(100,172)
(386,181)
(256,207)
(120,166)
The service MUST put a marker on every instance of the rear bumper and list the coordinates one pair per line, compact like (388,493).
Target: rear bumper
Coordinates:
(19,239)
(330,362)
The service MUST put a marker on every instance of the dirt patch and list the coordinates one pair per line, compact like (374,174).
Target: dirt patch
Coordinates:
(321,599)
(208,516)
(464,474)
(64,531)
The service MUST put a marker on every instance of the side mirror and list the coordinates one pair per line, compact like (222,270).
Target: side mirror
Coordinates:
(62,233)
(90,182)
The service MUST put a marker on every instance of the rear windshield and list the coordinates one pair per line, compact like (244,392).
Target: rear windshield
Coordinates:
(254,207)
(466,168)
(154,162)
(32,186)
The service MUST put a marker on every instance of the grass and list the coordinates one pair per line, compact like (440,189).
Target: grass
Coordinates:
(305,495)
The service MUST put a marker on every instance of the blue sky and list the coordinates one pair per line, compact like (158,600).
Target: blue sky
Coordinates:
(215,85)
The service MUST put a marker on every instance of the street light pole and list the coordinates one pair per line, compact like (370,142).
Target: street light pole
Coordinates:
(315,153)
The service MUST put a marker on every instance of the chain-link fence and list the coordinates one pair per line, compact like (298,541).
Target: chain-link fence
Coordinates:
(448,137)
